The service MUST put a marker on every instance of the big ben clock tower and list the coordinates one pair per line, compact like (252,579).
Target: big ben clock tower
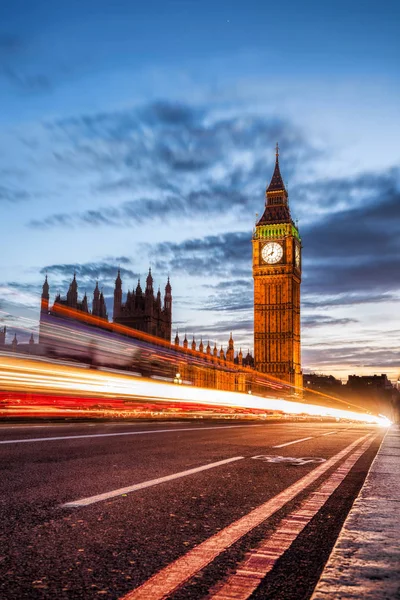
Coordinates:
(277,278)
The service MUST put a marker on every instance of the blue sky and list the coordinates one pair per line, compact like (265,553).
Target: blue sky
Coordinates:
(143,133)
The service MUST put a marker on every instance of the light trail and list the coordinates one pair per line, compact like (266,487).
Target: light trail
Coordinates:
(34,376)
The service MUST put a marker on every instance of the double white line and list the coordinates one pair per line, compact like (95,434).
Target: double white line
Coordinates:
(176,574)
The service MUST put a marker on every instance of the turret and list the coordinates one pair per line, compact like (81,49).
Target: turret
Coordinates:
(96,301)
(14,343)
(230,353)
(215,350)
(240,357)
(177,339)
(117,296)
(149,284)
(168,310)
(185,342)
(201,347)
(208,349)
(45,297)
(85,307)
(221,353)
(149,295)
(102,307)
(139,292)
(193,344)
(72,294)
(168,297)
(3,336)
(31,340)
(158,300)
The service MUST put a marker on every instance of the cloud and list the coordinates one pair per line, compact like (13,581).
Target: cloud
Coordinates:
(346,299)
(355,356)
(219,332)
(356,248)
(311,321)
(13,195)
(215,255)
(165,160)
(92,271)
(196,203)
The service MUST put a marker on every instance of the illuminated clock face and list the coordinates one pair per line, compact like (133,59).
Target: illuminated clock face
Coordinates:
(272,253)
(297,255)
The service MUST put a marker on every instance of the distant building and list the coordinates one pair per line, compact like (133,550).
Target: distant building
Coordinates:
(16,346)
(373,383)
(322,383)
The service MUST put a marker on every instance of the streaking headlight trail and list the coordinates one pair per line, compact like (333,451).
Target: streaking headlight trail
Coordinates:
(29,377)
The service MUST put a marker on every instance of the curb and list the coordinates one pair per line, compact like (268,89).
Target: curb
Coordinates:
(364,562)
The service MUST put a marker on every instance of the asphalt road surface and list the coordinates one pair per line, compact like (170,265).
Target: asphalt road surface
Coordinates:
(175,510)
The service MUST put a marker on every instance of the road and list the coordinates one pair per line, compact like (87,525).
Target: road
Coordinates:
(154,510)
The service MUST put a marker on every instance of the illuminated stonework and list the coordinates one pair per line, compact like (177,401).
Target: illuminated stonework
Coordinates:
(277,287)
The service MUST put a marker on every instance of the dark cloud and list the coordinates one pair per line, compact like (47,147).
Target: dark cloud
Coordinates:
(230,284)
(346,299)
(13,195)
(222,255)
(119,260)
(354,356)
(222,163)
(198,203)
(88,271)
(357,248)
(311,321)
(341,193)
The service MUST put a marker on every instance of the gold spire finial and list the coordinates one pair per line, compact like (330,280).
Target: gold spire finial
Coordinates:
(277,150)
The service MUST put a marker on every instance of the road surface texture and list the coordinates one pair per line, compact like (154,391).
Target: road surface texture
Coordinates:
(190,509)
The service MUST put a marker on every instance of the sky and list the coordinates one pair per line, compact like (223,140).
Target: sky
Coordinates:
(139,134)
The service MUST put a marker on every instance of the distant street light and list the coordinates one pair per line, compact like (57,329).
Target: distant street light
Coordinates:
(178,378)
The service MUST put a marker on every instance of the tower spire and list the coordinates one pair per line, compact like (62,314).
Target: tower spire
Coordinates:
(276,198)
(276,184)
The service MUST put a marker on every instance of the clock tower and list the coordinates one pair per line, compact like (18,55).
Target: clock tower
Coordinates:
(277,278)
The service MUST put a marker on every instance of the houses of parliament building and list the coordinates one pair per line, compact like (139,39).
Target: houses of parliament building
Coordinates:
(276,262)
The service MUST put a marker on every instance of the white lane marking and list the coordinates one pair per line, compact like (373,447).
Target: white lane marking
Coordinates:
(174,575)
(146,484)
(252,570)
(294,442)
(94,435)
(329,433)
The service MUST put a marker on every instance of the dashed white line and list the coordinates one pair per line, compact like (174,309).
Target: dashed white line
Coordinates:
(294,442)
(95,435)
(329,433)
(177,573)
(146,484)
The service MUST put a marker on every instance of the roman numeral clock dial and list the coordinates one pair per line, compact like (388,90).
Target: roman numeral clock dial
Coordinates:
(272,253)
